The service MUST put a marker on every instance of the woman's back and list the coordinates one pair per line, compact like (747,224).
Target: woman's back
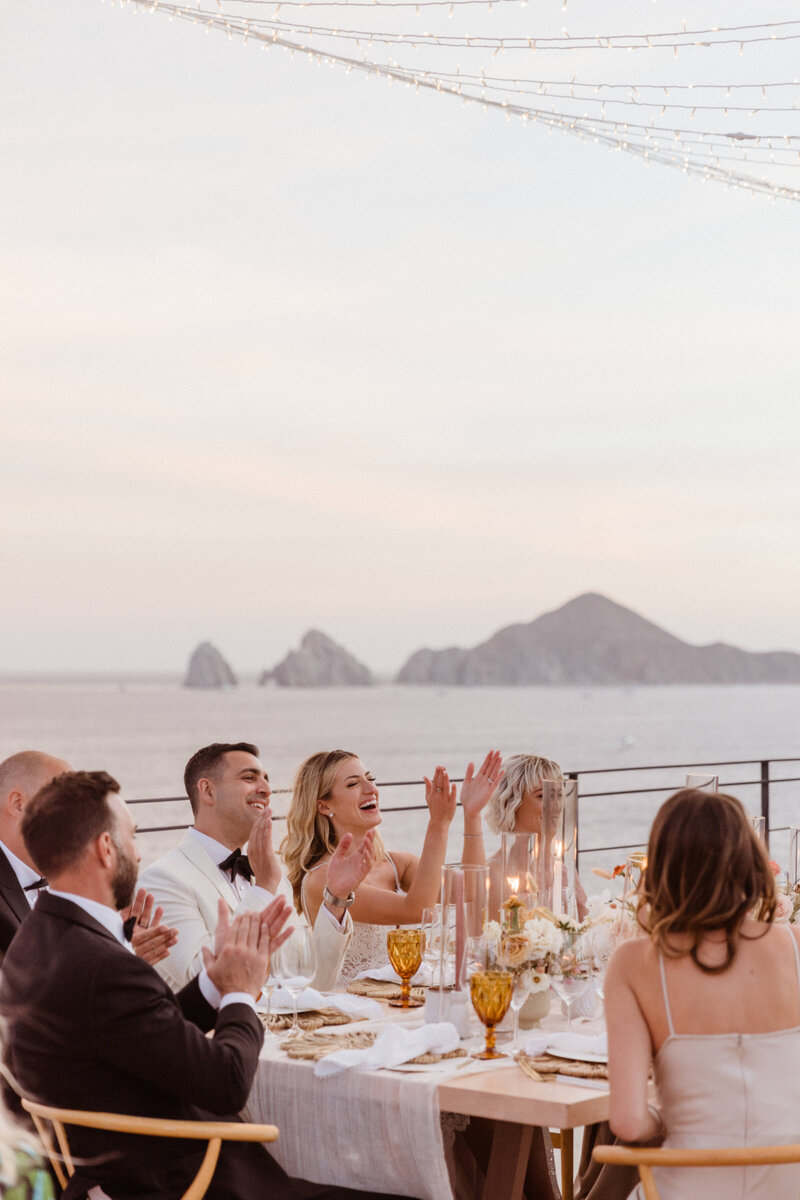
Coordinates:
(727,1061)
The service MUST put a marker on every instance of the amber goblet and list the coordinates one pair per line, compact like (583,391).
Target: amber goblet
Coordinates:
(405,947)
(491,995)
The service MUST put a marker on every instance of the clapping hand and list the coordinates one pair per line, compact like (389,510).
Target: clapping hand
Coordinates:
(261,853)
(440,796)
(476,789)
(151,940)
(350,864)
(239,961)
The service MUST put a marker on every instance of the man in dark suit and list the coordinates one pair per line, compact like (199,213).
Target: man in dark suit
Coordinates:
(21,776)
(91,1026)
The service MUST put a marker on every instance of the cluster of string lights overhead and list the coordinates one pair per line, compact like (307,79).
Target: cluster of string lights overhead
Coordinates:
(710,100)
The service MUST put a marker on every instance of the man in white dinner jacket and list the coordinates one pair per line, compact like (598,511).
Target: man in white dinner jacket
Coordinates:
(229,791)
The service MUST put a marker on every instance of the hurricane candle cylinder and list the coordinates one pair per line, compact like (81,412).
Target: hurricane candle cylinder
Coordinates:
(464,902)
(558,848)
(794,854)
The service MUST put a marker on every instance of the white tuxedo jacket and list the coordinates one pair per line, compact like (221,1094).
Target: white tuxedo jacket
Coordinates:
(188,886)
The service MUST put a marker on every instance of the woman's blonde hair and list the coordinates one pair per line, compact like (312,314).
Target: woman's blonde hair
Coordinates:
(523,773)
(706,870)
(309,833)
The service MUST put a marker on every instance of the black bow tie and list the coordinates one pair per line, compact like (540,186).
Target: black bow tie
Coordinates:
(238,864)
(128,928)
(36,886)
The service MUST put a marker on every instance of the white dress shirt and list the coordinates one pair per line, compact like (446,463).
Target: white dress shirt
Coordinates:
(25,874)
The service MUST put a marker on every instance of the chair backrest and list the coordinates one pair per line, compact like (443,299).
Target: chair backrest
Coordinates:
(214,1132)
(645,1158)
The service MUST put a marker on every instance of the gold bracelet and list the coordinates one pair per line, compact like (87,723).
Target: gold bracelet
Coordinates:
(473,835)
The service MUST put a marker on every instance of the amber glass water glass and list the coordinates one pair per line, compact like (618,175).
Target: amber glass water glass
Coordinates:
(405,947)
(491,995)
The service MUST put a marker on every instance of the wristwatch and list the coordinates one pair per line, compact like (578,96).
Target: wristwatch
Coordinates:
(336,901)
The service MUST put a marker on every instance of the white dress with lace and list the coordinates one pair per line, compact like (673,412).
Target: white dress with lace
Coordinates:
(367,946)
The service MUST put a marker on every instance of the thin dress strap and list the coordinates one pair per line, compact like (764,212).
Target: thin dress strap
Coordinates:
(666,997)
(391,863)
(796,953)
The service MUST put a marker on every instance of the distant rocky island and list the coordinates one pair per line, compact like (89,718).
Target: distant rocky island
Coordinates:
(208,669)
(592,640)
(319,662)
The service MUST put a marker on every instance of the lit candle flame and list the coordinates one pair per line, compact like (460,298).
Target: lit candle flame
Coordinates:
(513,883)
(558,848)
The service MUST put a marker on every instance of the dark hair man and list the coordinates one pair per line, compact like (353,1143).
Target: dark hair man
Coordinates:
(90,1025)
(229,792)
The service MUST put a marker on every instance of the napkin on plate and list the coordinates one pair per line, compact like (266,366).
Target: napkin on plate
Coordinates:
(310,1000)
(394,1044)
(387,974)
(575,1045)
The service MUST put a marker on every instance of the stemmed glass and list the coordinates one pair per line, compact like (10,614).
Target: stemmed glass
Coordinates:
(569,976)
(294,966)
(405,947)
(491,995)
(521,988)
(431,927)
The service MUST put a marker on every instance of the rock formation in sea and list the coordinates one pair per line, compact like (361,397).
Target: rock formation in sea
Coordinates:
(208,669)
(592,640)
(319,662)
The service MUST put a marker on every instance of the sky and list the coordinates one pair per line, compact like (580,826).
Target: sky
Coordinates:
(288,347)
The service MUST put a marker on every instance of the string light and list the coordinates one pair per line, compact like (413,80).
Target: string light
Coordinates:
(704,153)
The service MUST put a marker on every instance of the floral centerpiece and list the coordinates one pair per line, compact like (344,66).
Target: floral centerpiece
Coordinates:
(528,941)
(788,910)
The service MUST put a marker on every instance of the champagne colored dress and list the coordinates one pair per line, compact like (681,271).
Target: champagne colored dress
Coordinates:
(729,1089)
(367,946)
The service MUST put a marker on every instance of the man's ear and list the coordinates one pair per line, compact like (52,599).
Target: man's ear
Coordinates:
(15,804)
(104,848)
(205,791)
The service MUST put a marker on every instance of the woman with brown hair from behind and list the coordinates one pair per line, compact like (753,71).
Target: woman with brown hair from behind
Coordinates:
(710,996)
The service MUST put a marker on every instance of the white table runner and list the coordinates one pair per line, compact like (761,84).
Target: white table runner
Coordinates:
(377,1131)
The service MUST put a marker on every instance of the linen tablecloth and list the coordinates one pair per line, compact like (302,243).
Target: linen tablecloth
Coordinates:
(377,1131)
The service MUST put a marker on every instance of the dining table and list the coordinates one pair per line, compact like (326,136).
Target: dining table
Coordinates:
(459,1129)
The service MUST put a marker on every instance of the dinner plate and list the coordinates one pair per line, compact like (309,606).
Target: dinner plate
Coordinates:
(581,1056)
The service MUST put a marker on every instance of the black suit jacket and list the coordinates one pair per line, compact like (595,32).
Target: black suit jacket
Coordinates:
(14,906)
(91,1026)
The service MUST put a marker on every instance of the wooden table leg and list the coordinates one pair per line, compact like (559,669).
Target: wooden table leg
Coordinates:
(508,1161)
(567,1162)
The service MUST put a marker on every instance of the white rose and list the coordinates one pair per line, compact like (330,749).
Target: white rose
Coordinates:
(785,908)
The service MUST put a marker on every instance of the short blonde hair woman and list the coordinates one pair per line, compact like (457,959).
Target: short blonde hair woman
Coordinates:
(334,794)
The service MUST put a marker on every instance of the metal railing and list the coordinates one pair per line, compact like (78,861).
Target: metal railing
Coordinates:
(763,779)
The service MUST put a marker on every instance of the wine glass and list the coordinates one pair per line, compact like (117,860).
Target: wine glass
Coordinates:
(294,966)
(405,947)
(569,977)
(491,995)
(521,988)
(431,926)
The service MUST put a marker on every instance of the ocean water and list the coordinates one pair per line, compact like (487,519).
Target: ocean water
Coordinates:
(143,733)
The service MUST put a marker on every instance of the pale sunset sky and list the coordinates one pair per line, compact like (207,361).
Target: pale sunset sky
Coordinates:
(288,347)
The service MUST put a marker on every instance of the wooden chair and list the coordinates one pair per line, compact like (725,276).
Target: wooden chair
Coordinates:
(214,1132)
(733,1156)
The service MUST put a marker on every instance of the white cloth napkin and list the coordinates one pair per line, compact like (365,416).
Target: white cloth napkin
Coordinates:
(310,1000)
(387,974)
(572,1044)
(394,1045)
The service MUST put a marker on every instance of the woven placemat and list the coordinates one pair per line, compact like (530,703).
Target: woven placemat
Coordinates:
(538,1065)
(377,990)
(317,1043)
(307,1020)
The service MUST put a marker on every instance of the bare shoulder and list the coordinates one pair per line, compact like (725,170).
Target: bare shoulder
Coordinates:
(631,958)
(406,865)
(314,884)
